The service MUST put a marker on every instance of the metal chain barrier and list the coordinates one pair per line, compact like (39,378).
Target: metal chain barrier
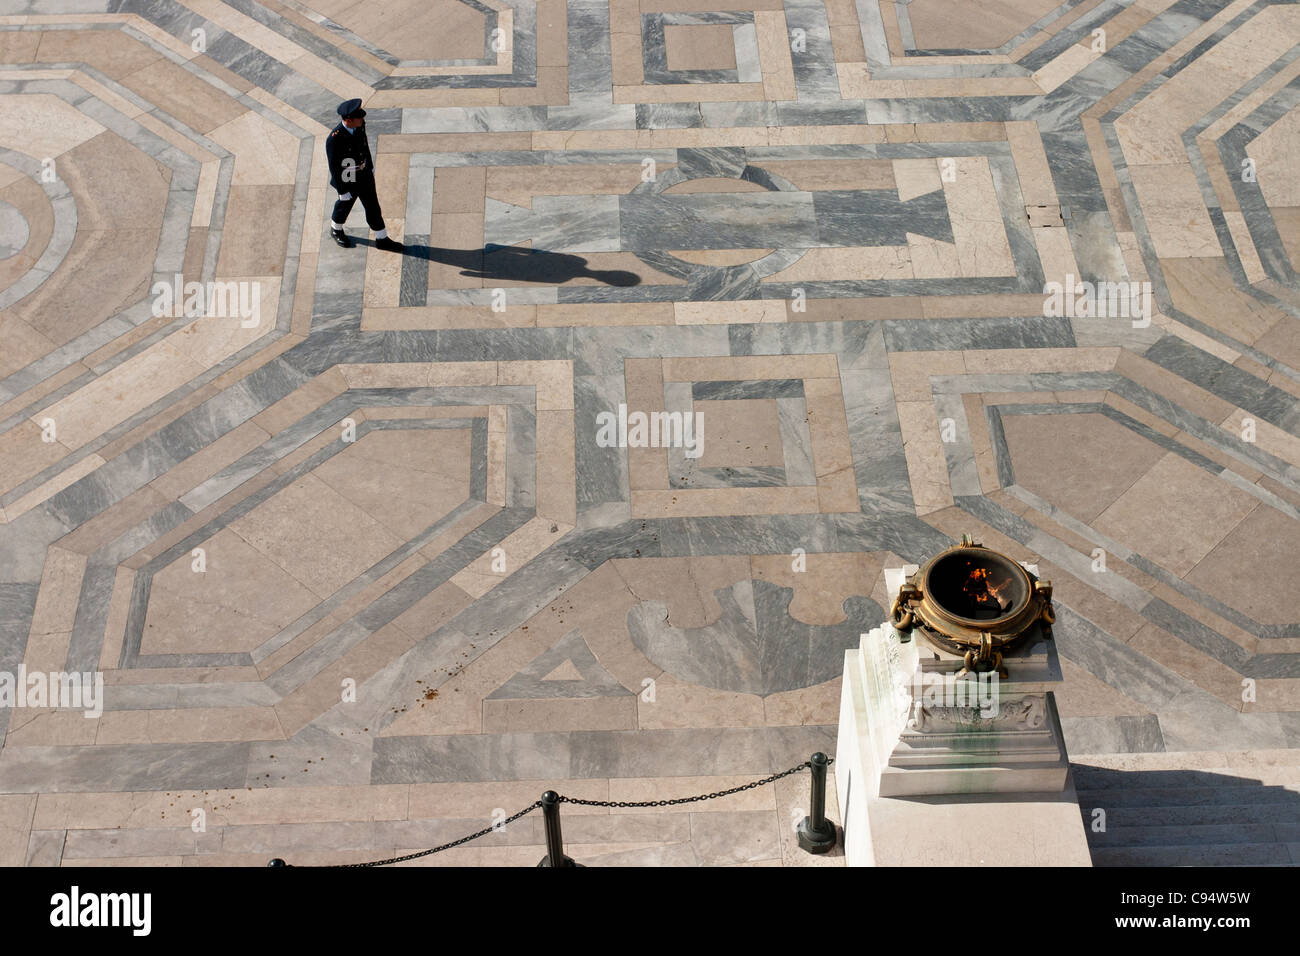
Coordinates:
(438,849)
(704,796)
(620,804)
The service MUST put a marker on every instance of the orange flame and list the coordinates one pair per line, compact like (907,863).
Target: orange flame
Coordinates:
(979,588)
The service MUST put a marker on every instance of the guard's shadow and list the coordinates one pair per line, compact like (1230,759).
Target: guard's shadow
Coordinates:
(516,264)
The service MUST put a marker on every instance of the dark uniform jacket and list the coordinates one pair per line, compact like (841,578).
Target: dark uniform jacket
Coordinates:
(342,146)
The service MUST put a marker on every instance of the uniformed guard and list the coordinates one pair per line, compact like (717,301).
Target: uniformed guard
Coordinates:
(352,174)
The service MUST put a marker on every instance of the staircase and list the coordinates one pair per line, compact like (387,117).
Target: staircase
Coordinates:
(1232,810)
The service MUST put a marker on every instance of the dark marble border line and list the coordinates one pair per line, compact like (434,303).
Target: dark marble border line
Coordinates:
(757,155)
(994,332)
(312,425)
(1194,8)
(478,459)
(88,625)
(321,610)
(309,41)
(149,661)
(748,534)
(344,33)
(414,282)
(755,389)
(458,81)
(939,109)
(1260,223)
(1071,35)
(1043,408)
(396,601)
(1168,444)
(440,395)
(1230,383)
(521,456)
(1210,433)
(1001,451)
(700,18)
(906,535)
(1208,601)
(17,609)
(1011,203)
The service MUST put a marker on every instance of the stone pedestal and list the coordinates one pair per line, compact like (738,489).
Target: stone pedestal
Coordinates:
(910,728)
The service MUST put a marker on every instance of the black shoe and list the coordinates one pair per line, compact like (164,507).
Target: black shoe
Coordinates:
(389,245)
(341,238)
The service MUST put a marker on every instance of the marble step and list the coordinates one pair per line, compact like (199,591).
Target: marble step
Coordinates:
(1172,814)
(1097,778)
(1186,797)
(1218,834)
(1237,854)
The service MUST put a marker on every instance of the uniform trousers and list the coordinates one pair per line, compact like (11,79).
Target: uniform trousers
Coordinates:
(363,189)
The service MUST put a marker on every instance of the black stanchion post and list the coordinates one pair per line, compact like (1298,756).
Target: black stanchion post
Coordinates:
(277,862)
(554,839)
(816,834)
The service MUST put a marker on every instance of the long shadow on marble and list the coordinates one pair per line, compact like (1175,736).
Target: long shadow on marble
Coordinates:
(513,263)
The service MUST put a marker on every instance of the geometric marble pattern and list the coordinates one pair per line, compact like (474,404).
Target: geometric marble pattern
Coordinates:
(359,572)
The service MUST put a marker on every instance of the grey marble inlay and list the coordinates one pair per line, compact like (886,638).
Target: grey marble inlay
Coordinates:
(13,230)
(544,677)
(765,388)
(210,766)
(755,647)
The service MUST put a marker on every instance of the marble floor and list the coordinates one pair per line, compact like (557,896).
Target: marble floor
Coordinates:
(350,547)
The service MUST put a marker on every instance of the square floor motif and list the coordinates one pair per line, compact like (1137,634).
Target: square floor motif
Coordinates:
(702,47)
(704,56)
(750,435)
(775,437)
